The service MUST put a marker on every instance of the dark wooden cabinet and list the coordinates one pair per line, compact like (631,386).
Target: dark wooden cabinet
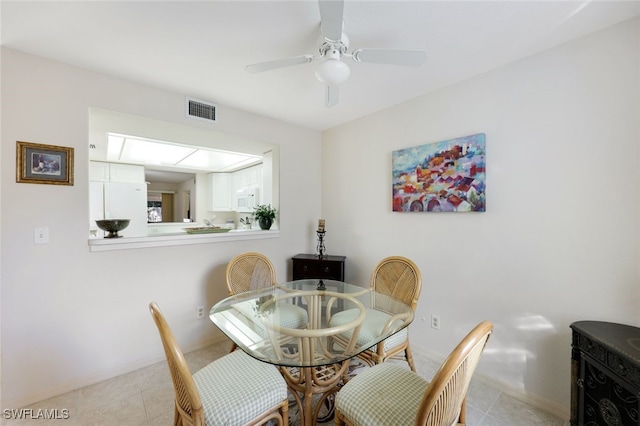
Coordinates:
(605,374)
(309,266)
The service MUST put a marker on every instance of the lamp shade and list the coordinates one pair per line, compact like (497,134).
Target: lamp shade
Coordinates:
(332,71)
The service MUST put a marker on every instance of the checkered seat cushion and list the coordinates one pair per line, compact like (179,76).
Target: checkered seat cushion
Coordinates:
(287,315)
(373,324)
(237,388)
(393,395)
(292,316)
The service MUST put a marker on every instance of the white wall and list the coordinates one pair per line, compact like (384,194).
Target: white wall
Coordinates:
(71,317)
(559,240)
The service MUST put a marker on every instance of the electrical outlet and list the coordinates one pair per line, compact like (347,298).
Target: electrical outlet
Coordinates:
(435,322)
(200,312)
(41,236)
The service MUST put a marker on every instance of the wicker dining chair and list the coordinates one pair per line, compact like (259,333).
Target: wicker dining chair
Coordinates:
(400,278)
(249,271)
(253,271)
(390,394)
(233,390)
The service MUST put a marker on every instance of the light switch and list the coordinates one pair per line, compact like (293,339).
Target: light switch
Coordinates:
(41,236)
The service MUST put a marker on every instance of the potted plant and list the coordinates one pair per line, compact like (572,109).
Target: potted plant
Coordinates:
(264,214)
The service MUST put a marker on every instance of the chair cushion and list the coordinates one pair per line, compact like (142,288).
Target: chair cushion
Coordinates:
(372,326)
(288,315)
(386,394)
(236,388)
(292,316)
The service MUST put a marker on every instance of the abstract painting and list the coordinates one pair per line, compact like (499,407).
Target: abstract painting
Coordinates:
(447,176)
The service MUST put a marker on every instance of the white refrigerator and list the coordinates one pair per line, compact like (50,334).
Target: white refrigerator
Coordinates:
(119,200)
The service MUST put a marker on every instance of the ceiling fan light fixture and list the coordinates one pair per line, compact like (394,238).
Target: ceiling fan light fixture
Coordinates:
(332,71)
(333,45)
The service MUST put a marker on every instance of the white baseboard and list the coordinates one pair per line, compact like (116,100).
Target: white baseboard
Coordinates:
(517,393)
(109,373)
(528,397)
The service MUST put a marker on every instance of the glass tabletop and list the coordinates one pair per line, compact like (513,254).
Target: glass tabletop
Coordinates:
(309,323)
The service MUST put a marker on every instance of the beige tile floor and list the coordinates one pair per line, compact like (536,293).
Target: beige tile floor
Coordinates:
(145,398)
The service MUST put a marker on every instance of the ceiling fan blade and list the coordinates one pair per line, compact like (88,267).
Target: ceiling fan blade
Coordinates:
(413,58)
(333,93)
(331,13)
(278,63)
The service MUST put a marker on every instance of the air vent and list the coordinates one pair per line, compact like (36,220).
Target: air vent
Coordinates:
(202,110)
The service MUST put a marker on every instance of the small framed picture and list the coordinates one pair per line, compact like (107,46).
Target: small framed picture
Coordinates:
(48,164)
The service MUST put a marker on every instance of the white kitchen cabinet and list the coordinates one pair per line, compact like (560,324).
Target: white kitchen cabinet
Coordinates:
(251,177)
(226,186)
(254,175)
(126,173)
(266,187)
(115,172)
(221,199)
(98,171)
(238,180)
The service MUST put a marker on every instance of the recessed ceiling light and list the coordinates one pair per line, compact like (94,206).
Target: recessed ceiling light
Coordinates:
(127,149)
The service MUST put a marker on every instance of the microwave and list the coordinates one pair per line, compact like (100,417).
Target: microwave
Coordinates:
(247,199)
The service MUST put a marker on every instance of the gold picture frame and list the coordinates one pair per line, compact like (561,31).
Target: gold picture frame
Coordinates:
(46,164)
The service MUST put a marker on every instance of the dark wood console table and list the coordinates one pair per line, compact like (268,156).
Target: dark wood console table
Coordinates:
(309,266)
(605,374)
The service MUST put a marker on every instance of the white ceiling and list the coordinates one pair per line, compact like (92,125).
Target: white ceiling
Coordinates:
(200,48)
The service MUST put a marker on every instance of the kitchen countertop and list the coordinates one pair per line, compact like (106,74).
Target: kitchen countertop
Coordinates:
(178,238)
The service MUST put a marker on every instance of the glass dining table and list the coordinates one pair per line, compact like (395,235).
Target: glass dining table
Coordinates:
(310,329)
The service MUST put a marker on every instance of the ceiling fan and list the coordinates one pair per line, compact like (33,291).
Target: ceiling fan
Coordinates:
(333,46)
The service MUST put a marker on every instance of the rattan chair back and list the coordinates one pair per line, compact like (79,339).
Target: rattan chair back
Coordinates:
(188,406)
(398,277)
(249,271)
(444,401)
